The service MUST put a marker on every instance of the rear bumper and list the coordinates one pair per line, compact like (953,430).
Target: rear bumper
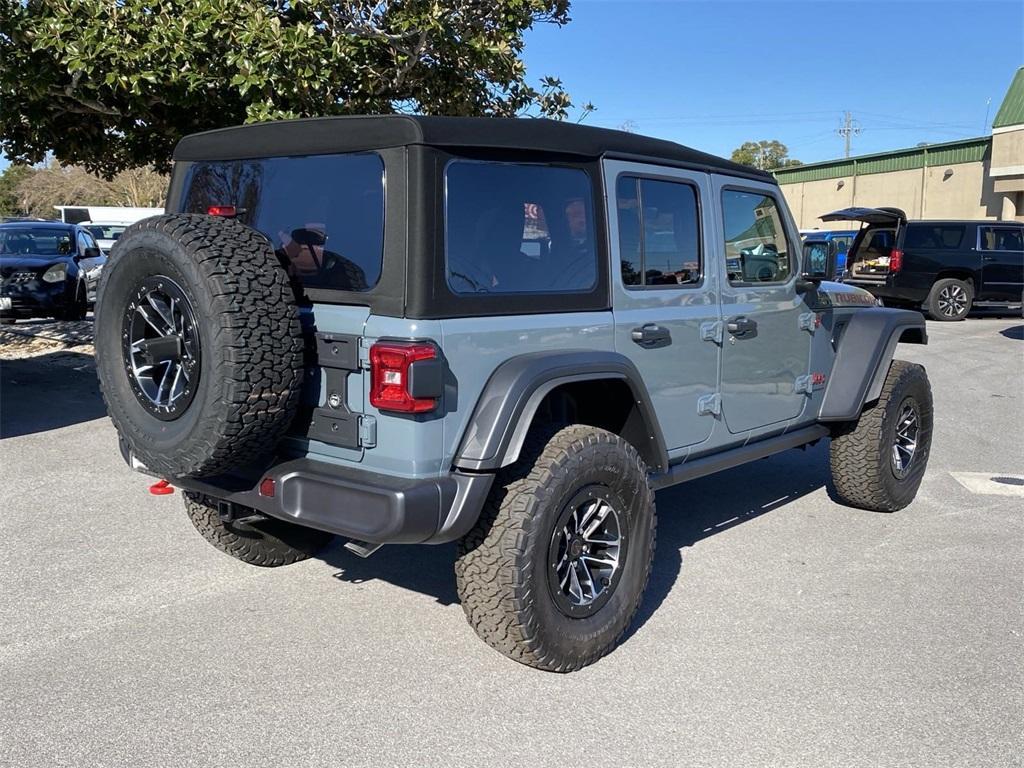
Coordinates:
(358,504)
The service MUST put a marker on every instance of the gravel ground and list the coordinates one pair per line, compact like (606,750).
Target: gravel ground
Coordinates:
(778,630)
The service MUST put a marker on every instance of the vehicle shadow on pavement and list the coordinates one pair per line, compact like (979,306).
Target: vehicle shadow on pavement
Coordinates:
(687,514)
(694,511)
(1013,332)
(47,392)
(425,569)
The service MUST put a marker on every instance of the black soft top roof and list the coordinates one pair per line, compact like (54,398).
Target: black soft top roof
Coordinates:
(325,135)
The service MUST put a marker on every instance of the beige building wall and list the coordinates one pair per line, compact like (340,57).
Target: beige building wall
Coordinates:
(1007,149)
(902,189)
(924,193)
(961,195)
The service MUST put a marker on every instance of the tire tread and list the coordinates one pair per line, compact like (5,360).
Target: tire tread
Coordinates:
(492,571)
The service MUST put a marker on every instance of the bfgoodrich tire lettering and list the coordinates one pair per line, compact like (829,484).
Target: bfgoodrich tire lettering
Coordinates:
(505,567)
(878,461)
(248,385)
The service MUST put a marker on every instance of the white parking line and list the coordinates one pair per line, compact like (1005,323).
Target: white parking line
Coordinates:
(992,483)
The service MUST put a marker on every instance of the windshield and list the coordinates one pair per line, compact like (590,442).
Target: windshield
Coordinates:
(34,241)
(106,231)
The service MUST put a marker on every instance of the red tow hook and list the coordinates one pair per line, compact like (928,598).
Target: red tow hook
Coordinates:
(161,488)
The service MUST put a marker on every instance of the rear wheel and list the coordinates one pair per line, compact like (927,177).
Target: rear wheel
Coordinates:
(878,461)
(555,569)
(262,541)
(949,299)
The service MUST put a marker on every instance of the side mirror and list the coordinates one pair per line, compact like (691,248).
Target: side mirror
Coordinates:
(818,262)
(807,283)
(91,253)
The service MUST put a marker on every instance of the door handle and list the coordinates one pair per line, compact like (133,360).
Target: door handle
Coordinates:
(651,335)
(741,326)
(988,258)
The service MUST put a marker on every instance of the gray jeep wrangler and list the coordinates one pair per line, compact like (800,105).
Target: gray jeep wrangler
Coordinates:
(506,333)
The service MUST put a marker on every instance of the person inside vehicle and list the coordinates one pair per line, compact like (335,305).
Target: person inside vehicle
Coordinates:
(304,254)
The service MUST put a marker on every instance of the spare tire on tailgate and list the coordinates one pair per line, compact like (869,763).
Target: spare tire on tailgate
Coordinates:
(198,344)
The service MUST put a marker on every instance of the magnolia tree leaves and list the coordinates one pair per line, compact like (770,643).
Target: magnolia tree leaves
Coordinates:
(114,84)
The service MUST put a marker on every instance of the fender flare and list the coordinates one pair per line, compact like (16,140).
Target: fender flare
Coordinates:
(865,352)
(505,409)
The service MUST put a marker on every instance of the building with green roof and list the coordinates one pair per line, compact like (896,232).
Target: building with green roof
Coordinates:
(978,178)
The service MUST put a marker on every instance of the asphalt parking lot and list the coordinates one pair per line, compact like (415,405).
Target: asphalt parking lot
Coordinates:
(778,629)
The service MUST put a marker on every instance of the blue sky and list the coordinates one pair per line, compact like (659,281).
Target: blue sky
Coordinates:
(715,74)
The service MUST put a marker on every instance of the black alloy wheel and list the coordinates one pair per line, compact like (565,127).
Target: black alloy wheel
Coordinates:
(161,348)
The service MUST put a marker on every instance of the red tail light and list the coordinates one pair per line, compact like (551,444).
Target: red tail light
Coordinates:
(895,261)
(227,211)
(391,380)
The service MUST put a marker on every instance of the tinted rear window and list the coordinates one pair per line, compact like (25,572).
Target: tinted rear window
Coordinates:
(933,236)
(324,214)
(517,228)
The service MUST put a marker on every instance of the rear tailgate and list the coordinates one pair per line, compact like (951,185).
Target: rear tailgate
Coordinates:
(867,262)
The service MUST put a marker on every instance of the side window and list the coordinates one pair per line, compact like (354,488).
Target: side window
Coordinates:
(83,243)
(933,236)
(1002,239)
(518,228)
(756,248)
(659,232)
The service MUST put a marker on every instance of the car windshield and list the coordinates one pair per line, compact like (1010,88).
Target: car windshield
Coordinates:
(35,241)
(106,231)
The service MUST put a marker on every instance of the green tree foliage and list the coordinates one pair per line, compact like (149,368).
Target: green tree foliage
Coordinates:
(113,84)
(766,155)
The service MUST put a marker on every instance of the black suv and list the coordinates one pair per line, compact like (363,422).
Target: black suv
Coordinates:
(942,267)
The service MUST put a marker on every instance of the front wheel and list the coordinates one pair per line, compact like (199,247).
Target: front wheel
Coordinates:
(878,461)
(555,569)
(78,308)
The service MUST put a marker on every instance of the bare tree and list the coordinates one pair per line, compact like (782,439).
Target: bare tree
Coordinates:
(140,187)
(59,184)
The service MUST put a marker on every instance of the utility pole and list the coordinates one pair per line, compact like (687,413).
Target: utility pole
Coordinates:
(849,127)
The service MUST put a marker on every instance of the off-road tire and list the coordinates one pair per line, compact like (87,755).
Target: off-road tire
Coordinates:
(860,455)
(502,568)
(935,296)
(266,542)
(250,338)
